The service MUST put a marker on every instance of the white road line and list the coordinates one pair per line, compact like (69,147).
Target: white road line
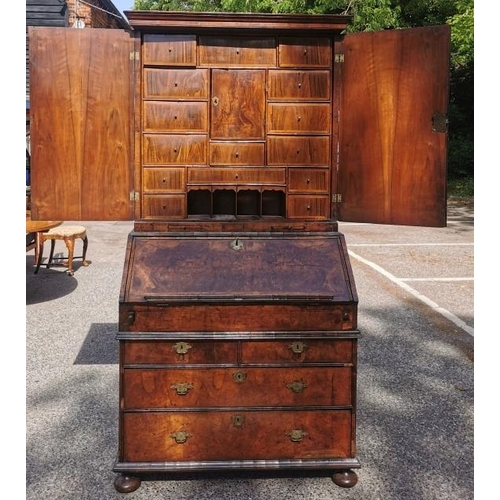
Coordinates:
(436,279)
(444,312)
(411,244)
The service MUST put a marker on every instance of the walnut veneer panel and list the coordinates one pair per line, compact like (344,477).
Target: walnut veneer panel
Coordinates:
(299,85)
(174,149)
(298,151)
(164,206)
(308,180)
(288,118)
(236,435)
(236,175)
(172,50)
(237,153)
(169,116)
(157,180)
(305,52)
(240,51)
(311,206)
(175,83)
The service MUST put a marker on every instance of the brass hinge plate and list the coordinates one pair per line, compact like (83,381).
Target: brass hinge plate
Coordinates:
(336,198)
(134,55)
(339,58)
(134,195)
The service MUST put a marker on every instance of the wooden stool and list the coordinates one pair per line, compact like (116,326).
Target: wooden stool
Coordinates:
(68,234)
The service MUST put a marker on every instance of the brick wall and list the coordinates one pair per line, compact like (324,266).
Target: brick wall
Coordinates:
(92,18)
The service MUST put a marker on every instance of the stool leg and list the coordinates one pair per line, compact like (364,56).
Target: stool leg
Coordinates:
(38,251)
(84,254)
(70,244)
(51,255)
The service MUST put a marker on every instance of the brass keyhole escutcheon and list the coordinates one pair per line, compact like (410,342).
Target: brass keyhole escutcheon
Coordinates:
(296,435)
(182,388)
(180,437)
(239,377)
(238,420)
(297,386)
(182,348)
(298,347)
(215,101)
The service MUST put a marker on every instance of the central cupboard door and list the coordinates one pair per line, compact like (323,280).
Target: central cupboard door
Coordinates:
(238,104)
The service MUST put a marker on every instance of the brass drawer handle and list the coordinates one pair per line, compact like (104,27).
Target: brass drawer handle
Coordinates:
(182,388)
(239,377)
(180,437)
(296,435)
(182,347)
(297,386)
(298,347)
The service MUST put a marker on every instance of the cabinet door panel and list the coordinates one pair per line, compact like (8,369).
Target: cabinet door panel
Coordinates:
(392,158)
(238,104)
(81,124)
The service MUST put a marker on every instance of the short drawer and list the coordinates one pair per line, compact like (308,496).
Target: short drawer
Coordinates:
(307,207)
(157,180)
(290,118)
(166,116)
(233,176)
(172,50)
(304,52)
(244,387)
(237,51)
(299,85)
(178,352)
(236,435)
(163,206)
(308,180)
(298,150)
(237,153)
(298,351)
(175,83)
(174,149)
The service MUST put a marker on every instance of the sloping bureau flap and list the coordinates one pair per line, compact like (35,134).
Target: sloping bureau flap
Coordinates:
(237,268)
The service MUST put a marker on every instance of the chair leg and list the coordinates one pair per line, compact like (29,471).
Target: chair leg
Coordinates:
(38,251)
(70,244)
(51,256)
(84,254)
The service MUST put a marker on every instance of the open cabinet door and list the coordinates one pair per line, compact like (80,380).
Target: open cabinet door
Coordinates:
(393,127)
(81,124)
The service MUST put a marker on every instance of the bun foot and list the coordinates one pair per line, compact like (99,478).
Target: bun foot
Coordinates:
(126,484)
(345,478)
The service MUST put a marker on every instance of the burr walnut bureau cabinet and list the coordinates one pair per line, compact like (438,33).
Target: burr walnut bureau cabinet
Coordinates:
(236,142)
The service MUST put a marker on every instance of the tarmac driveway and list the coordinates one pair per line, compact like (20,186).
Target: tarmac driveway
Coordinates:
(415,376)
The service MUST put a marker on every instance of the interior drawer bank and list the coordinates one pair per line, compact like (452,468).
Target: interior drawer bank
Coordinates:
(250,282)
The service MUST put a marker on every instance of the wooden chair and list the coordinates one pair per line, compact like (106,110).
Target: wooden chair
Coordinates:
(68,234)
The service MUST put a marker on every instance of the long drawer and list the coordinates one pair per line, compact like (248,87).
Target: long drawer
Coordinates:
(236,435)
(226,387)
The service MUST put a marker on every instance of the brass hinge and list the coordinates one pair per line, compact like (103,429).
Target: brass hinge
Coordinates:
(336,198)
(134,56)
(134,195)
(339,58)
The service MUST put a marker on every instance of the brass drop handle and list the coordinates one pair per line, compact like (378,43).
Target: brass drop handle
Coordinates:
(182,388)
(296,435)
(180,437)
(297,386)
(182,348)
(298,347)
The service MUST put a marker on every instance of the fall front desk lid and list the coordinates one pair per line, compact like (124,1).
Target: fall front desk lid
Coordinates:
(237,268)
